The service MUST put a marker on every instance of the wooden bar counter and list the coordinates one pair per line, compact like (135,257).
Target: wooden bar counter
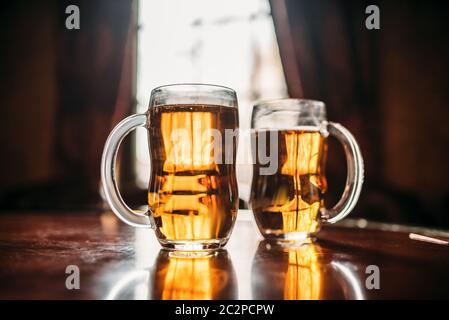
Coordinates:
(352,260)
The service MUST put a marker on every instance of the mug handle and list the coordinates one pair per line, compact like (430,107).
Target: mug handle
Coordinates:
(108,179)
(354,178)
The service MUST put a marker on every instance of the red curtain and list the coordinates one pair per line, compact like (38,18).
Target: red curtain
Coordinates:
(88,79)
(376,83)
(95,88)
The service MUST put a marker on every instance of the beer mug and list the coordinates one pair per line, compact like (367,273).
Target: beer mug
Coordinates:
(289,142)
(192,193)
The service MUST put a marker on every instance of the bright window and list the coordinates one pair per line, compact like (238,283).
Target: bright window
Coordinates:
(231,43)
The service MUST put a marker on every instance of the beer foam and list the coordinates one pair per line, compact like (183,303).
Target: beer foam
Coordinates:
(289,128)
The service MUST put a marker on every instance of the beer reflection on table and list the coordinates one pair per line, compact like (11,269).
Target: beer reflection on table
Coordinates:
(179,276)
(302,272)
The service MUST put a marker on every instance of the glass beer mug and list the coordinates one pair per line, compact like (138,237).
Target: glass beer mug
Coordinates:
(289,143)
(192,194)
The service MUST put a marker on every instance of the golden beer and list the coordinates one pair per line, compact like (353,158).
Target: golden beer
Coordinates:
(290,200)
(193,189)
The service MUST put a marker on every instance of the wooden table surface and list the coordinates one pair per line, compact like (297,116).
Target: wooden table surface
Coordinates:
(118,262)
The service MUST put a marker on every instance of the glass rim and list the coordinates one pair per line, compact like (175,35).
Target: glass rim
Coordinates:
(192,84)
(291,103)
(193,93)
(289,112)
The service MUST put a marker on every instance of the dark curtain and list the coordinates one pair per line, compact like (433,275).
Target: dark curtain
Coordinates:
(93,73)
(90,66)
(328,54)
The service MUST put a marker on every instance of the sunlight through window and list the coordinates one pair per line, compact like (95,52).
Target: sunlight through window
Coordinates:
(230,43)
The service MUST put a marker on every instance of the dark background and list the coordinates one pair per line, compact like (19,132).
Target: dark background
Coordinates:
(62,91)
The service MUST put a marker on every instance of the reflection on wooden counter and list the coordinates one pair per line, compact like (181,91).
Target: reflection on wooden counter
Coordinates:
(206,277)
(302,273)
(286,273)
(119,262)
